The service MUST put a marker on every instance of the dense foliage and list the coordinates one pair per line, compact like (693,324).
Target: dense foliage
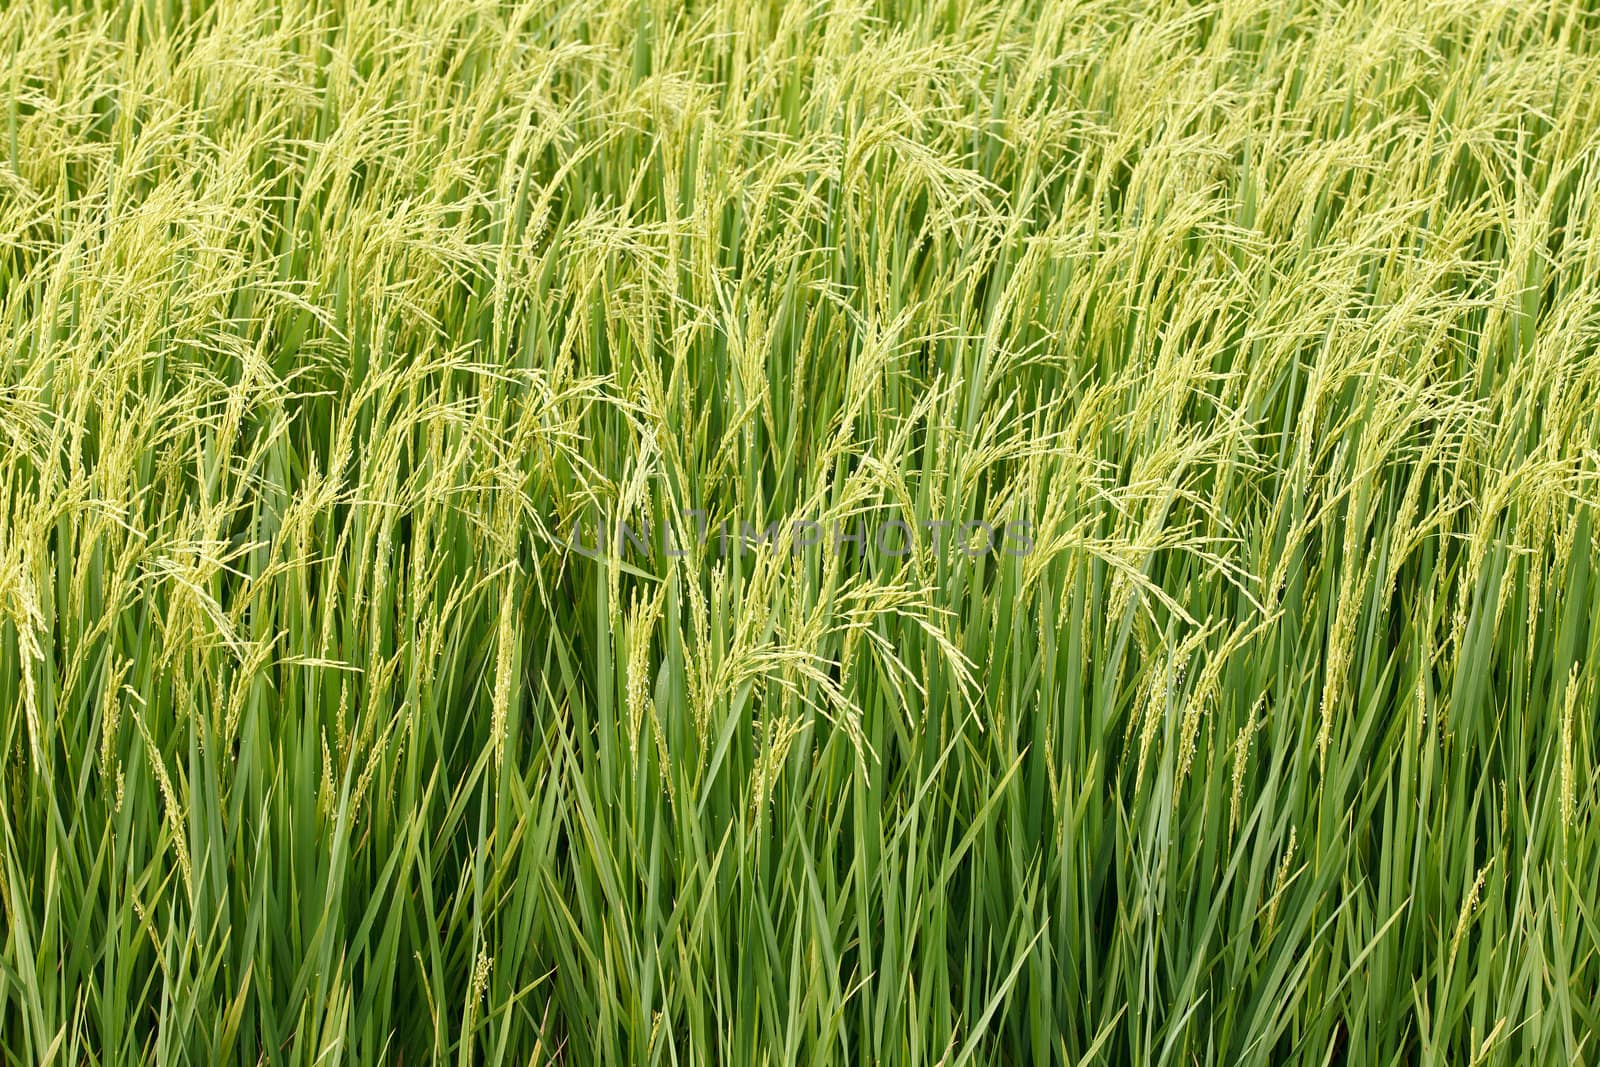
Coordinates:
(330,330)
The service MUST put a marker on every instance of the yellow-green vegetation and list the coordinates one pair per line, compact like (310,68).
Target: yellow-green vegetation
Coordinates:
(322,322)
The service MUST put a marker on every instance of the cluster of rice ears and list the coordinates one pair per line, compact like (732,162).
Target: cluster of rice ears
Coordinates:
(322,324)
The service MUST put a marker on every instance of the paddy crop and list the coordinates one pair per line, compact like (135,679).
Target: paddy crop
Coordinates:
(1226,376)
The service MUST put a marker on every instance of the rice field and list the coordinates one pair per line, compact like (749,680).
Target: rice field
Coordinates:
(815,532)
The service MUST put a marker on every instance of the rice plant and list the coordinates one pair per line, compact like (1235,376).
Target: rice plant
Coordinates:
(821,532)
